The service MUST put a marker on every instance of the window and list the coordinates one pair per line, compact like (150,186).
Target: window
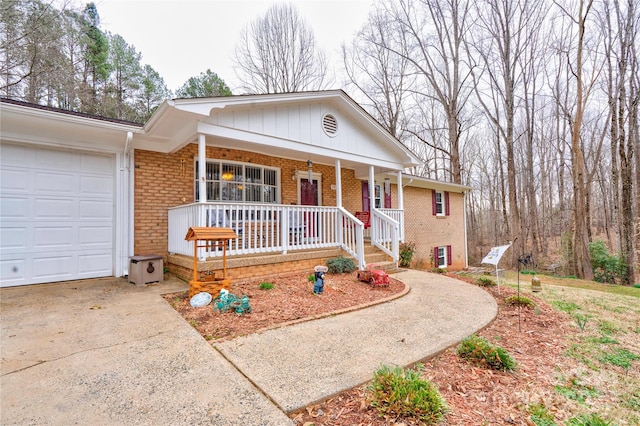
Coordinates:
(378,198)
(442,256)
(440,203)
(239,182)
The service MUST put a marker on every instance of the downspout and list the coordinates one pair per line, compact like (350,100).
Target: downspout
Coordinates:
(129,211)
(464,215)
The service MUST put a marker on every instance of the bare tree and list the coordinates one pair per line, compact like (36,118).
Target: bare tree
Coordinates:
(432,34)
(620,39)
(379,75)
(582,263)
(277,53)
(503,34)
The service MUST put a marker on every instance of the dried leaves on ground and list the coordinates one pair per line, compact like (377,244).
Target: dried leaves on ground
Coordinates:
(290,299)
(538,338)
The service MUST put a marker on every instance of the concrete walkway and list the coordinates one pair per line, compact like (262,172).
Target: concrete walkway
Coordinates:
(105,352)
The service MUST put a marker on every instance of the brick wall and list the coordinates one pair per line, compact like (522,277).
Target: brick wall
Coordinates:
(428,231)
(167,180)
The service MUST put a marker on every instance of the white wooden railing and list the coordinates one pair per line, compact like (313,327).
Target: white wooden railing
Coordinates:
(268,228)
(385,234)
(398,216)
(351,236)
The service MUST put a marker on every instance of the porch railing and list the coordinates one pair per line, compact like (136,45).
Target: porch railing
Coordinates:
(398,216)
(384,234)
(267,228)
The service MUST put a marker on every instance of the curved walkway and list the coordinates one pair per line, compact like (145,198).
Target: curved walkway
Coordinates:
(302,364)
(107,352)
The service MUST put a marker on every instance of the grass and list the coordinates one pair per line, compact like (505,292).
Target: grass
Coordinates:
(519,301)
(480,351)
(573,282)
(575,391)
(266,285)
(403,393)
(540,415)
(604,346)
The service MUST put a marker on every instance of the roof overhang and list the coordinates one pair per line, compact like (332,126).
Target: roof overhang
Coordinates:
(422,182)
(178,122)
(25,123)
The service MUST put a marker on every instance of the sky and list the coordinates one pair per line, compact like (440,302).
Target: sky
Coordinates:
(181,39)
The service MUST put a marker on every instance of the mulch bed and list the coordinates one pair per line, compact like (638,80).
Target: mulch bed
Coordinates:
(535,337)
(290,299)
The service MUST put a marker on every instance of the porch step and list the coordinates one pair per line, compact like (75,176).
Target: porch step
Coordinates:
(373,254)
(388,267)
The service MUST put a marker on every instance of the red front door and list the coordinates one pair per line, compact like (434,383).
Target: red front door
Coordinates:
(308,192)
(309,197)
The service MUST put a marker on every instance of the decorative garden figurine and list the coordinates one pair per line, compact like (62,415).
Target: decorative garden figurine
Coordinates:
(318,287)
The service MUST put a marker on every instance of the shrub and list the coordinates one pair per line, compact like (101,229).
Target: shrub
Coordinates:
(266,286)
(340,265)
(403,393)
(311,278)
(485,282)
(606,267)
(406,253)
(480,351)
(519,301)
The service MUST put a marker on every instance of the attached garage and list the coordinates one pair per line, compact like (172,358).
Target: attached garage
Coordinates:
(56,214)
(64,197)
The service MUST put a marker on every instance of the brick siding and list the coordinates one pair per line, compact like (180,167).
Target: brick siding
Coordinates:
(167,180)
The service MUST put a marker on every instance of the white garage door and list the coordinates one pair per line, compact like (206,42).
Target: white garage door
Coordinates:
(56,215)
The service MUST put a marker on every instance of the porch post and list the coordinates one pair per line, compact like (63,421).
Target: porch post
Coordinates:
(338,184)
(372,190)
(372,205)
(400,191)
(202,168)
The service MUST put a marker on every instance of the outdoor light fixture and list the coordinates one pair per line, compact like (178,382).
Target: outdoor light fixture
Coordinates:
(387,186)
(310,170)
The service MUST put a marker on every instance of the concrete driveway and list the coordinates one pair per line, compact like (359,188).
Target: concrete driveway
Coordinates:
(105,352)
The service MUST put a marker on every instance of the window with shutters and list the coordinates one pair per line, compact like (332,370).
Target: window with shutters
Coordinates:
(440,203)
(442,256)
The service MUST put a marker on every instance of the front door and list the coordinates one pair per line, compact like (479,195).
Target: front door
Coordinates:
(309,197)
(308,192)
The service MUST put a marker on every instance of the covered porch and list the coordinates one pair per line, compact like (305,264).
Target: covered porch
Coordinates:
(279,228)
(286,172)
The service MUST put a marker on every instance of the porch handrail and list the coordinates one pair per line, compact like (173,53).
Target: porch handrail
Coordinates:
(398,215)
(385,234)
(351,235)
(267,228)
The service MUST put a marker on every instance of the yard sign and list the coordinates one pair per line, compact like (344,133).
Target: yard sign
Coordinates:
(493,257)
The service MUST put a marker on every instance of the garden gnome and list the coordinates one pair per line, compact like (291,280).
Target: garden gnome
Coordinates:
(318,287)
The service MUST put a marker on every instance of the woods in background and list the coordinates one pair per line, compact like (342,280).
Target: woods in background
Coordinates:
(533,103)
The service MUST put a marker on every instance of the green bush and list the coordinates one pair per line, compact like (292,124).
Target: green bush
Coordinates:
(403,393)
(606,267)
(480,351)
(340,265)
(519,300)
(311,278)
(266,285)
(406,253)
(485,282)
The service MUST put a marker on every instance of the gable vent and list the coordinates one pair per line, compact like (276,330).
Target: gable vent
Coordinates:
(330,125)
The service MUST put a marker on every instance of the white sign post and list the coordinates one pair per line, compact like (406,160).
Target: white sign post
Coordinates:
(493,257)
